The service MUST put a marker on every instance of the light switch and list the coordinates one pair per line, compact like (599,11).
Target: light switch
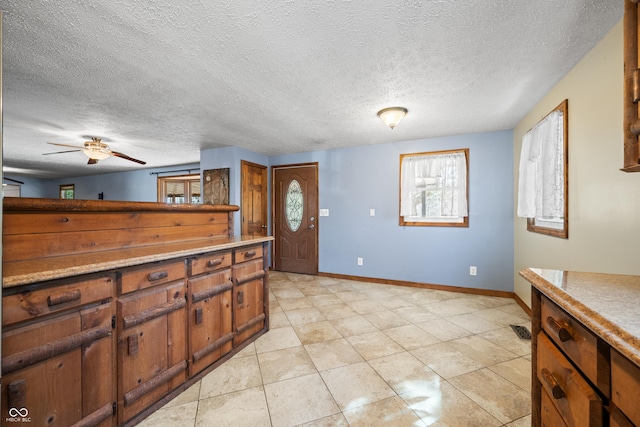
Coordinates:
(372,212)
(324,212)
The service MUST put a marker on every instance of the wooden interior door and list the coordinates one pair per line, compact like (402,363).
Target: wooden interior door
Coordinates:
(254,199)
(295,222)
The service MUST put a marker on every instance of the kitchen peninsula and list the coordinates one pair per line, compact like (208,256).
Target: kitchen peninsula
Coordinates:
(585,348)
(110,309)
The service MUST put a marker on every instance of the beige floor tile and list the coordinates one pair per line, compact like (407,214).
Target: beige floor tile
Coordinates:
(316,332)
(323,300)
(443,329)
(410,337)
(174,416)
(501,398)
(233,375)
(337,420)
(445,361)
(373,345)
(336,311)
(299,400)
(287,293)
(394,302)
(404,373)
(496,315)
(304,315)
(515,310)
(246,407)
(455,306)
(274,306)
(507,339)
(277,339)
(285,364)
(249,350)
(521,422)
(481,350)
(518,371)
(192,394)
(388,412)
(356,385)
(386,319)
(353,325)
(492,302)
(415,314)
(365,306)
(313,289)
(332,354)
(288,304)
(446,406)
(473,323)
(278,320)
(350,295)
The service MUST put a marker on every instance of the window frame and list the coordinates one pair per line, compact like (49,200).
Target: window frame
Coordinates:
(186,179)
(66,188)
(463,220)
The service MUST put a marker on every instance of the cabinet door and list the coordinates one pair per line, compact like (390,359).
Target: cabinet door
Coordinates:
(210,328)
(59,371)
(248,299)
(151,346)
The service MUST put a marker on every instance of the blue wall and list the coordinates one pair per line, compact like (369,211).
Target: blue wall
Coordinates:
(354,180)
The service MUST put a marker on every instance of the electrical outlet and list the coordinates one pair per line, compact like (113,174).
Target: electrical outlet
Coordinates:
(360,261)
(473,270)
(372,212)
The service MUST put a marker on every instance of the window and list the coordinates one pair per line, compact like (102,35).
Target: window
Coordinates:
(433,188)
(543,186)
(179,189)
(67,191)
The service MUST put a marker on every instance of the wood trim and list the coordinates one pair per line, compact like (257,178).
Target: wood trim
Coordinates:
(213,291)
(522,304)
(11,204)
(473,291)
(154,382)
(402,222)
(630,108)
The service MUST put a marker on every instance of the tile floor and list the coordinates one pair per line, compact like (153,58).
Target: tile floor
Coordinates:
(349,353)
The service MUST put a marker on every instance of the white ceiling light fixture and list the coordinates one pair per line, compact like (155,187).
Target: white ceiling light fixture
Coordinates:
(391,116)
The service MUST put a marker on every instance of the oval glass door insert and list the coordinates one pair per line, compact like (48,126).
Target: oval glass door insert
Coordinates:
(294,205)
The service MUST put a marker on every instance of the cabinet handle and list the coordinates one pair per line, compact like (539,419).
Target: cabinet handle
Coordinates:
(158,275)
(198,314)
(559,330)
(132,341)
(214,262)
(69,296)
(17,394)
(553,384)
(240,297)
(250,254)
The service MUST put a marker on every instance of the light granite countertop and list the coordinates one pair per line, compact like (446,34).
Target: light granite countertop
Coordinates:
(607,304)
(27,272)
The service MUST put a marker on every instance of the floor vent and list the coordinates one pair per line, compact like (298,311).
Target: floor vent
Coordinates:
(522,332)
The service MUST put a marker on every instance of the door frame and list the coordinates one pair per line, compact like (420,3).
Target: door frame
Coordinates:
(274,208)
(265,195)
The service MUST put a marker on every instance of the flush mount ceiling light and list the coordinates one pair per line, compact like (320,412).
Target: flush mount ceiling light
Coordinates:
(391,116)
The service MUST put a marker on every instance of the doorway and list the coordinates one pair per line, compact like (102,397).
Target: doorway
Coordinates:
(253,199)
(295,218)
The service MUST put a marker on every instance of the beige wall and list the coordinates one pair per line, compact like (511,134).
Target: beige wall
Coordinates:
(604,203)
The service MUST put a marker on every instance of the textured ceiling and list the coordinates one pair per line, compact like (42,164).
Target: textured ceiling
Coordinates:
(164,79)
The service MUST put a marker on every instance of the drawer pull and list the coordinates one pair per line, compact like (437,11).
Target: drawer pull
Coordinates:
(158,275)
(132,341)
(250,254)
(17,394)
(69,296)
(250,277)
(214,262)
(559,330)
(240,297)
(553,384)
(198,314)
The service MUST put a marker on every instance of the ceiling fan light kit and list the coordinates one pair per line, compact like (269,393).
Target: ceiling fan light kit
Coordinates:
(96,150)
(391,116)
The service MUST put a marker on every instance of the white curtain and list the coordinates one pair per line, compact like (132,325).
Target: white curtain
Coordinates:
(541,185)
(447,172)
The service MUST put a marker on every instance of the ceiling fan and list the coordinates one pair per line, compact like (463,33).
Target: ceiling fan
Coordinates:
(95,150)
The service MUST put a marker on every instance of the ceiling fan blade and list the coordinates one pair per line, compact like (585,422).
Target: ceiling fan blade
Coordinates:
(66,145)
(92,161)
(124,156)
(60,152)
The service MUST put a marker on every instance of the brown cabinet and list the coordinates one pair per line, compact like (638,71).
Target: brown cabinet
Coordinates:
(249,271)
(58,343)
(210,310)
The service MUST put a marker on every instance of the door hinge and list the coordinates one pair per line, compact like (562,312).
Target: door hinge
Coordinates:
(114,408)
(113,322)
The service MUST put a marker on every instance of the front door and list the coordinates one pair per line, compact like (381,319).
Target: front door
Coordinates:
(295,222)
(254,199)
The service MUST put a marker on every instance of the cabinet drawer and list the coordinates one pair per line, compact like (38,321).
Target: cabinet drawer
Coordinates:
(550,416)
(148,275)
(32,304)
(208,262)
(584,349)
(574,398)
(248,253)
(625,386)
